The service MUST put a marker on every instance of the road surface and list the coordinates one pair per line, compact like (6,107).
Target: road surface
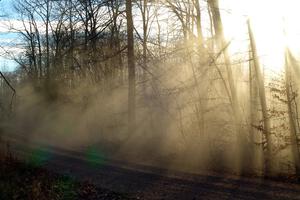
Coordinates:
(144,182)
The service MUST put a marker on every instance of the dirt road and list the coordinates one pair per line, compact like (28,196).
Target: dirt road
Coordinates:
(144,182)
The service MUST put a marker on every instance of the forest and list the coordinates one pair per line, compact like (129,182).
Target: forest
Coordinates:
(167,83)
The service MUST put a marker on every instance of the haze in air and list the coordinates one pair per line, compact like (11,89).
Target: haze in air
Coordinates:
(194,87)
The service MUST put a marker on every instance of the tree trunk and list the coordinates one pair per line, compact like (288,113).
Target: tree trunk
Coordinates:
(293,130)
(221,44)
(263,102)
(198,23)
(131,67)
(47,40)
(255,136)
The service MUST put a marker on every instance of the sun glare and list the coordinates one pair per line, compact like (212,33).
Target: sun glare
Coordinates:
(274,25)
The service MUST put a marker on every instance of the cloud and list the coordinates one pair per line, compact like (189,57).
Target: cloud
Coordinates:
(11,25)
(7,65)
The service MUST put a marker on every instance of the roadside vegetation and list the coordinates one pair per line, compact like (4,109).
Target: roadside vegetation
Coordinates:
(24,181)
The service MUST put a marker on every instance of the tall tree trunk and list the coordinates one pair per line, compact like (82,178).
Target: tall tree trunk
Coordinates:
(198,23)
(145,32)
(71,55)
(293,129)
(263,102)
(221,44)
(145,18)
(252,108)
(47,40)
(131,67)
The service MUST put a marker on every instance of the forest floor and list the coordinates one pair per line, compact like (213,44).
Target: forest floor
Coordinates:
(23,181)
(94,175)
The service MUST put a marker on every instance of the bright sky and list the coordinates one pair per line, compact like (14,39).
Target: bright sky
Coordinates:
(270,19)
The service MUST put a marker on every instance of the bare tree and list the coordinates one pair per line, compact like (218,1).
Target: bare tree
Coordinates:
(131,66)
(221,44)
(291,114)
(263,103)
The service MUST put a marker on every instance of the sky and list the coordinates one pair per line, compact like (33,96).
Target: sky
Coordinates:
(275,26)
(7,39)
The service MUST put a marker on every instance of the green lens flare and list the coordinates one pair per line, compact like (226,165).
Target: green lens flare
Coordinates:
(95,157)
(39,156)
